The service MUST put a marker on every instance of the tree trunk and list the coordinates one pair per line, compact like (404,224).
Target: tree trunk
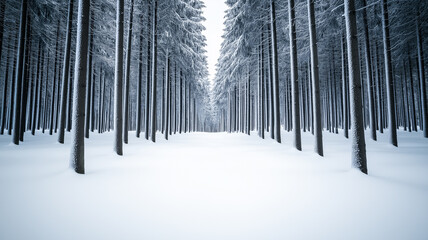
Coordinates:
(6,80)
(127,73)
(89,79)
(148,85)
(424,117)
(139,86)
(315,79)
(166,100)
(65,74)
(118,80)
(19,73)
(275,75)
(392,125)
(78,139)
(357,130)
(297,141)
(154,73)
(51,122)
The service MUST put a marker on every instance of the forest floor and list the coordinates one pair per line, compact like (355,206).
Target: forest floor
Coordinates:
(214,186)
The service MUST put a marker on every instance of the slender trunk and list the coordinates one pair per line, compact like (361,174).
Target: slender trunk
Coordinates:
(139,87)
(19,73)
(315,79)
(77,157)
(297,141)
(421,63)
(118,80)
(148,79)
(6,80)
(154,73)
(388,75)
(166,101)
(275,75)
(89,79)
(127,73)
(65,73)
(36,91)
(369,73)
(52,109)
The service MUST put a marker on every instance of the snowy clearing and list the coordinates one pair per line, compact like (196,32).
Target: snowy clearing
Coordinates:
(213,186)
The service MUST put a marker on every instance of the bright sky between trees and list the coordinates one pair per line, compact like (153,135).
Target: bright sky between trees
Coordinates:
(214,14)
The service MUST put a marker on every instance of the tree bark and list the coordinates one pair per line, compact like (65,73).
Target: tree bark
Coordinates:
(315,79)
(65,74)
(19,73)
(118,80)
(424,116)
(392,125)
(127,73)
(297,141)
(275,75)
(154,73)
(77,158)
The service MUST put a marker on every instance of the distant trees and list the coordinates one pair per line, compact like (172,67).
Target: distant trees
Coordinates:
(306,80)
(320,85)
(46,93)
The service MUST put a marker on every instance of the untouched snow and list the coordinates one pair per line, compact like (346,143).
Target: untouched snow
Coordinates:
(214,186)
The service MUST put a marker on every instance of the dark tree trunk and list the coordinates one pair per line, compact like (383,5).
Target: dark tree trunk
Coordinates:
(392,125)
(421,65)
(77,158)
(297,141)
(19,73)
(65,74)
(315,79)
(154,73)
(357,131)
(127,73)
(118,80)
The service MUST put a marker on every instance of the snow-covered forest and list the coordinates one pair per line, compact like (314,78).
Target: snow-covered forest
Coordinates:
(318,105)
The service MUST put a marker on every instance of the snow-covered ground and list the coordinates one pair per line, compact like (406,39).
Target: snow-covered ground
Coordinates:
(214,186)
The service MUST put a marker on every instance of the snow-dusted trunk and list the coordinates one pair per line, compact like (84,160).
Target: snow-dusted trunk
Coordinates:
(345,88)
(357,130)
(89,80)
(118,80)
(70,100)
(92,104)
(36,90)
(65,74)
(167,96)
(297,142)
(139,87)
(154,72)
(127,73)
(51,122)
(421,65)
(77,156)
(19,72)
(26,80)
(370,84)
(275,75)
(6,79)
(2,14)
(392,125)
(180,122)
(379,91)
(248,119)
(411,95)
(148,85)
(315,79)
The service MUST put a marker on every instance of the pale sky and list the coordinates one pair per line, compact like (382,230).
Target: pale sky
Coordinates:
(214,13)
